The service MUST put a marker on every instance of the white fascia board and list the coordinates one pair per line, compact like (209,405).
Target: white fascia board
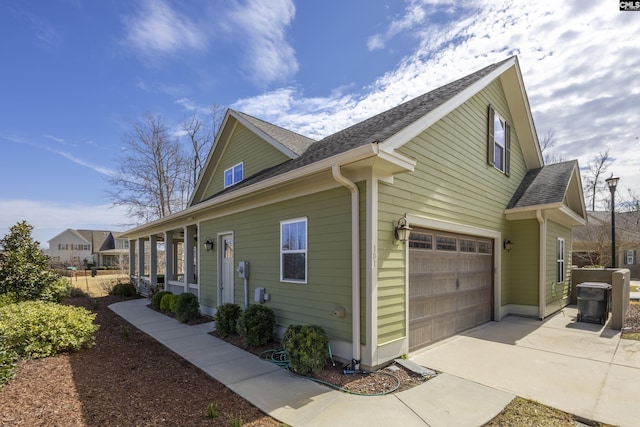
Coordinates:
(416,128)
(363,152)
(276,144)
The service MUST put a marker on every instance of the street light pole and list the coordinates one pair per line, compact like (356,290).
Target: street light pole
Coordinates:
(612,182)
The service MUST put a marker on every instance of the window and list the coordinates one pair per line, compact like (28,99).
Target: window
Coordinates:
(446,243)
(499,142)
(485,248)
(233,175)
(420,241)
(468,246)
(560,272)
(293,250)
(630,257)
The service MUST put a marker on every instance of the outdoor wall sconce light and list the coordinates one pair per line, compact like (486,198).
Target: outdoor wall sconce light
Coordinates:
(208,244)
(507,245)
(402,230)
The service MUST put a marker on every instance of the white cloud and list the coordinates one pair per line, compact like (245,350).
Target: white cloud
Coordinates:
(261,26)
(157,28)
(577,60)
(51,218)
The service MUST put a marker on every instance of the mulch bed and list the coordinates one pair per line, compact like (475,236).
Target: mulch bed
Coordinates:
(126,379)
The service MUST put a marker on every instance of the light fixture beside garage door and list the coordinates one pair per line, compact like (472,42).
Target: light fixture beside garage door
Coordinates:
(402,230)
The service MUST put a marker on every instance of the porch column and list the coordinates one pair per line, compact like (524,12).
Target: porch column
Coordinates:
(169,260)
(153,261)
(132,259)
(140,257)
(189,234)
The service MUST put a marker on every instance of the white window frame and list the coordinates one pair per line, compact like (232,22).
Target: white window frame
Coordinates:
(232,171)
(303,251)
(630,257)
(499,138)
(560,264)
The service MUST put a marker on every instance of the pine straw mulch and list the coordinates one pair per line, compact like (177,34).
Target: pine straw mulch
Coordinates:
(126,379)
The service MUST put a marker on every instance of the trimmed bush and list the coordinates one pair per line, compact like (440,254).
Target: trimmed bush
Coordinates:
(306,347)
(7,364)
(187,307)
(39,329)
(227,319)
(168,302)
(57,291)
(157,299)
(256,325)
(124,290)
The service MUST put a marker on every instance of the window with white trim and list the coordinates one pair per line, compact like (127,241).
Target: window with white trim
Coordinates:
(233,175)
(499,142)
(630,257)
(293,250)
(560,270)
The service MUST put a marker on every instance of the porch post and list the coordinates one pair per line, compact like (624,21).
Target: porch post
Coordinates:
(153,261)
(189,234)
(169,261)
(140,257)
(132,260)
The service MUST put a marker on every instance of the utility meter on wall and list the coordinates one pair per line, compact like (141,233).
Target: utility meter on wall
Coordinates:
(243,269)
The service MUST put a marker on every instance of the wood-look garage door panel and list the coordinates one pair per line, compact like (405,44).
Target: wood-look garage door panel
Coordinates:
(449,291)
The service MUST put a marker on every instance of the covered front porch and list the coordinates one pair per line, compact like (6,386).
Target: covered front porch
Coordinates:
(167,261)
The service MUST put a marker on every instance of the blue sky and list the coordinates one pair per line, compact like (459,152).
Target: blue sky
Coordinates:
(76,73)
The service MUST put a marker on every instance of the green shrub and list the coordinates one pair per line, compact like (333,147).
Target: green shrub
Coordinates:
(157,299)
(7,364)
(227,319)
(124,290)
(256,325)
(168,302)
(187,307)
(40,329)
(77,292)
(56,290)
(306,347)
(6,299)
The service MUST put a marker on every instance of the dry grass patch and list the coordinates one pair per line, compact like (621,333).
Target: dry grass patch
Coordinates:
(527,413)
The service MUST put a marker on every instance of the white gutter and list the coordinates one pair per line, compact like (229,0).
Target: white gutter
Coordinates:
(355,258)
(542,270)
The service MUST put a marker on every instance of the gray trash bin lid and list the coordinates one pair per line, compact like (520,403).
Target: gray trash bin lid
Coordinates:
(594,285)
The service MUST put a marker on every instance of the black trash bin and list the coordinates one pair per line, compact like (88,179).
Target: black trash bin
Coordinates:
(593,302)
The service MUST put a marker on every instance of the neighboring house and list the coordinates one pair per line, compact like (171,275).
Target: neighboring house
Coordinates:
(82,247)
(592,242)
(316,221)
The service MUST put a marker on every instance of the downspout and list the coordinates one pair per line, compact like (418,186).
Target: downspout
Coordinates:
(542,263)
(355,258)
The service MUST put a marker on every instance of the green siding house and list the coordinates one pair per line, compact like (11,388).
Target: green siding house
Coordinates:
(428,219)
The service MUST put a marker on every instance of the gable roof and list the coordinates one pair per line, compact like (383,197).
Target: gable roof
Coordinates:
(555,186)
(383,127)
(627,227)
(289,139)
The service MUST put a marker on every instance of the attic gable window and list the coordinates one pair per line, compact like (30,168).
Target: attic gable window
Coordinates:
(499,142)
(233,175)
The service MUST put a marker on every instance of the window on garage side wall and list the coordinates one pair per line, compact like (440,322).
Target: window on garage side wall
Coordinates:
(293,250)
(560,270)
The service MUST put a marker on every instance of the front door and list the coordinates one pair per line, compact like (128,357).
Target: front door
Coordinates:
(226,272)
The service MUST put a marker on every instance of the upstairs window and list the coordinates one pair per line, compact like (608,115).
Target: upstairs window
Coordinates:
(499,142)
(233,175)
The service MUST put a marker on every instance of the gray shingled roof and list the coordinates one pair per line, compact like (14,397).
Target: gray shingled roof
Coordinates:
(293,141)
(543,186)
(373,130)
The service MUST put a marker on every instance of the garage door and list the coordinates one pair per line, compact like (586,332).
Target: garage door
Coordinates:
(450,285)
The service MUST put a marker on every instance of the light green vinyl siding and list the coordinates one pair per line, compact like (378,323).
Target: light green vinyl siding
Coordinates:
(246,147)
(522,268)
(562,290)
(256,239)
(452,182)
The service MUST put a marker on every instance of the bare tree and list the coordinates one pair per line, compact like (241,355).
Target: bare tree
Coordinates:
(150,180)
(597,167)
(201,139)
(546,145)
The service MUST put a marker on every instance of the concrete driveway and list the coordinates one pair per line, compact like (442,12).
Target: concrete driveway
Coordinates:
(581,368)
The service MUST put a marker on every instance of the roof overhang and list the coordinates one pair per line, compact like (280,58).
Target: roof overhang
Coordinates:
(369,155)
(557,212)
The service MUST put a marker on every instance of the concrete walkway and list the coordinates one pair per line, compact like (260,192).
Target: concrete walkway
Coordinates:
(446,400)
(581,368)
